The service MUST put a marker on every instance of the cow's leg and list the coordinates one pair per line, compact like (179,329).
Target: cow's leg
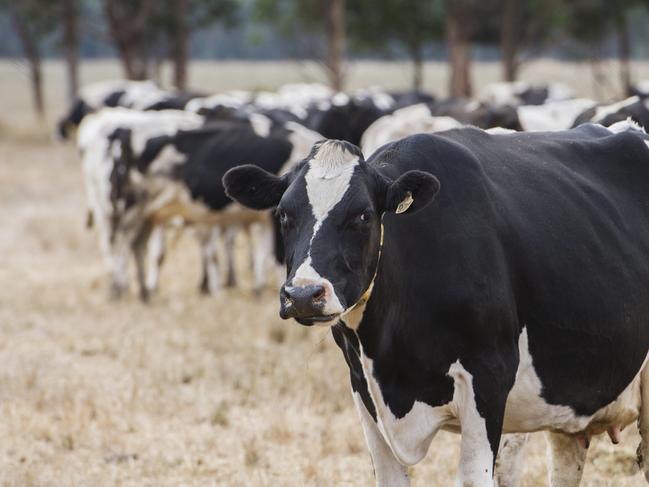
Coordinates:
(211,277)
(118,258)
(387,470)
(643,423)
(230,237)
(509,462)
(566,459)
(140,246)
(479,403)
(154,258)
(262,253)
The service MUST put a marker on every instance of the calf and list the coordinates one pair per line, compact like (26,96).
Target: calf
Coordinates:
(475,282)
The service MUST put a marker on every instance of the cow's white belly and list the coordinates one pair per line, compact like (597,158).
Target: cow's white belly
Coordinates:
(527,411)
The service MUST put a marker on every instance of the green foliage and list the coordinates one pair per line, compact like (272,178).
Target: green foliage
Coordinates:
(373,24)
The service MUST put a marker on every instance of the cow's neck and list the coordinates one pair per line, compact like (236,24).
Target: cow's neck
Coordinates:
(409,424)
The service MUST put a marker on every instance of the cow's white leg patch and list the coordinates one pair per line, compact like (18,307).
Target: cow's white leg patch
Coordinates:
(208,238)
(643,423)
(509,462)
(119,257)
(476,458)
(526,410)
(565,459)
(154,257)
(387,470)
(262,251)
(409,436)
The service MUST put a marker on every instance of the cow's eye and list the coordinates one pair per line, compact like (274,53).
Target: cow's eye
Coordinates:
(364,217)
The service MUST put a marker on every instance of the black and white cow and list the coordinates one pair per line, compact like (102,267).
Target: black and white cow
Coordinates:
(137,95)
(523,93)
(158,178)
(406,121)
(634,107)
(475,282)
(479,114)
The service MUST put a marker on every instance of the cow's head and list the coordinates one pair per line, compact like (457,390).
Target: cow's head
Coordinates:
(70,122)
(330,207)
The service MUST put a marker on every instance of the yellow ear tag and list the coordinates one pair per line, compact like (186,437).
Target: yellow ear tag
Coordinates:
(405,204)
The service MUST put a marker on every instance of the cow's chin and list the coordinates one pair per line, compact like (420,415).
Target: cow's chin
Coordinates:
(326,320)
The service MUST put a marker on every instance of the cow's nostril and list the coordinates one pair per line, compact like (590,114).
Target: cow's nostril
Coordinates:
(319,293)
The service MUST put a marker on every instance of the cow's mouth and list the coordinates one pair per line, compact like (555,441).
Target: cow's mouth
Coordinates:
(313,320)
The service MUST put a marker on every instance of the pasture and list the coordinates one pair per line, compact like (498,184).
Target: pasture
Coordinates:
(188,390)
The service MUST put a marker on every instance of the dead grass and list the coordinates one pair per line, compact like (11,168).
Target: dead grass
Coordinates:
(187,391)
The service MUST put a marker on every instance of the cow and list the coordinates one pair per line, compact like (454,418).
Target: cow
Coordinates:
(634,107)
(523,93)
(95,144)
(555,115)
(347,117)
(138,95)
(402,122)
(480,114)
(158,179)
(478,283)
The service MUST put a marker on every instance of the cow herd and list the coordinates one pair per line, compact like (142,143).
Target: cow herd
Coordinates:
(482,264)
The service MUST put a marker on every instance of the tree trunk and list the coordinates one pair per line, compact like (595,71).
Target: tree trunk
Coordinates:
(624,51)
(33,55)
(417,56)
(335,31)
(71,46)
(180,41)
(458,35)
(128,30)
(508,42)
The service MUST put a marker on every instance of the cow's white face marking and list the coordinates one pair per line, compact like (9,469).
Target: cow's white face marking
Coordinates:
(327,180)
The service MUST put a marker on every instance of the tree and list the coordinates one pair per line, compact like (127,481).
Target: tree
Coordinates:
(127,23)
(69,13)
(407,23)
(299,18)
(174,21)
(459,31)
(32,20)
(523,24)
(590,21)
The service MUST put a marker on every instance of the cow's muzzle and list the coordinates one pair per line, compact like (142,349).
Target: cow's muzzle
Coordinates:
(304,303)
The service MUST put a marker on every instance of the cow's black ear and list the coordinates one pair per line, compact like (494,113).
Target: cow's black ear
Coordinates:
(254,187)
(411,192)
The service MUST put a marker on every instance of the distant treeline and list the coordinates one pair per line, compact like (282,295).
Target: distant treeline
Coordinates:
(143,34)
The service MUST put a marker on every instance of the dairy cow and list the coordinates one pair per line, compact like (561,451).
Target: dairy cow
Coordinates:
(479,283)
(159,179)
(137,95)
(636,108)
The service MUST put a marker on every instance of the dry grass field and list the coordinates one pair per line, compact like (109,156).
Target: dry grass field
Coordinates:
(187,391)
